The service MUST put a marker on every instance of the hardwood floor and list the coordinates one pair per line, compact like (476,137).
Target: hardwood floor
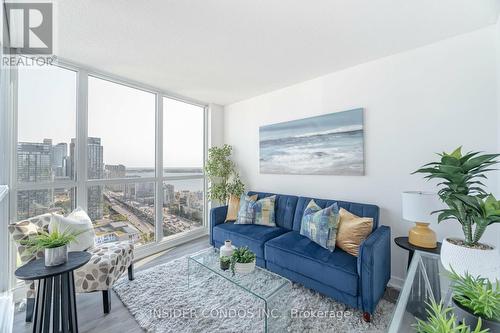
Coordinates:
(91,318)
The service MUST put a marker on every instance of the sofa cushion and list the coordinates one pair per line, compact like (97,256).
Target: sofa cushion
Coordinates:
(251,235)
(284,208)
(320,225)
(264,211)
(299,254)
(246,212)
(365,210)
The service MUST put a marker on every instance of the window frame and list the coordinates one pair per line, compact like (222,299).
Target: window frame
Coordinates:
(81,181)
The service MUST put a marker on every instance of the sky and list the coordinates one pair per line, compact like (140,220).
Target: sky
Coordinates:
(328,122)
(123,117)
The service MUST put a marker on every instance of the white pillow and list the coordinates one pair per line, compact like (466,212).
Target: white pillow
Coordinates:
(77,221)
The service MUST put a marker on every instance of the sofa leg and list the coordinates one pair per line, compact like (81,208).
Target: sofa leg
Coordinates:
(131,272)
(30,307)
(367,317)
(106,301)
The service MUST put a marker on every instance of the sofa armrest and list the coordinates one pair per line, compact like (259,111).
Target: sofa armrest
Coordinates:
(217,216)
(374,267)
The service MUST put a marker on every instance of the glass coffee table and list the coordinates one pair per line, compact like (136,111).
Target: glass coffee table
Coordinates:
(426,280)
(267,288)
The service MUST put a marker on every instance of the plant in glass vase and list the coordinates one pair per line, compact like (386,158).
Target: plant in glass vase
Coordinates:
(221,171)
(468,203)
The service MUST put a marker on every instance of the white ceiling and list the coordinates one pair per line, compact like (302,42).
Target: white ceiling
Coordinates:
(223,51)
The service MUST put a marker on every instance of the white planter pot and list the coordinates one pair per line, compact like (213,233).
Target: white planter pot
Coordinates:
(475,261)
(56,256)
(244,268)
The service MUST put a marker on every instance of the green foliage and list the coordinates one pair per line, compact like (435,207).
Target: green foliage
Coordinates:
(242,255)
(45,240)
(477,294)
(118,217)
(224,180)
(462,191)
(442,320)
(225,259)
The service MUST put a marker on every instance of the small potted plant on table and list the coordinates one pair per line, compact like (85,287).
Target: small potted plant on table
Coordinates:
(54,245)
(225,263)
(242,261)
(476,299)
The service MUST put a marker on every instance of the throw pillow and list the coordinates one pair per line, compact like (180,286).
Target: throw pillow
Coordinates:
(246,213)
(264,211)
(232,209)
(320,225)
(353,230)
(78,222)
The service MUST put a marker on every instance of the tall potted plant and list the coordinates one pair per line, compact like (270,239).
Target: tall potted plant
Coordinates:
(221,171)
(468,203)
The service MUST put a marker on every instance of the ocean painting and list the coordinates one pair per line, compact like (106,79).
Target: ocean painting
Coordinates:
(330,144)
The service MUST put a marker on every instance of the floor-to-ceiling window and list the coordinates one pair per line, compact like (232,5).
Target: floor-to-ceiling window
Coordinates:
(131,156)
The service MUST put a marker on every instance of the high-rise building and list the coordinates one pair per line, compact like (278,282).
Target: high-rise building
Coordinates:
(33,165)
(113,172)
(59,156)
(168,194)
(95,170)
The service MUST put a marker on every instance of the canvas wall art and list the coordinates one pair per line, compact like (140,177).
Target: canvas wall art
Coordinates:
(330,144)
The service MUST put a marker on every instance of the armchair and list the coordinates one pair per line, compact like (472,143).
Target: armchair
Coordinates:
(108,262)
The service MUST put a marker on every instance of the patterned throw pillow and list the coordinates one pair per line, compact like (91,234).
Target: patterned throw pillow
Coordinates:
(320,225)
(264,211)
(246,213)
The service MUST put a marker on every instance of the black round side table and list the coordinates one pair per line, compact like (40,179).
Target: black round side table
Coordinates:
(55,292)
(403,243)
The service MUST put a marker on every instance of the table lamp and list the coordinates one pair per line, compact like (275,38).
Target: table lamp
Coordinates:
(417,207)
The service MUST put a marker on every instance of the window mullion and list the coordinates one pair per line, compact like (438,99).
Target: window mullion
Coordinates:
(81,139)
(159,168)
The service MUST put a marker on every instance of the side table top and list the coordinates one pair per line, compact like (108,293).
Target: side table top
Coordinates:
(36,269)
(403,242)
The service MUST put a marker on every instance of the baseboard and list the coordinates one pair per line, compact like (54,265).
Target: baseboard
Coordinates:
(396,282)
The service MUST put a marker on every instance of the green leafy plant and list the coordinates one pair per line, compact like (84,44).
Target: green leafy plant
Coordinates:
(221,171)
(463,192)
(477,294)
(45,240)
(442,320)
(225,262)
(241,255)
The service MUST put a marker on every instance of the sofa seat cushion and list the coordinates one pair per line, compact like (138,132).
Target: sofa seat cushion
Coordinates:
(300,254)
(251,235)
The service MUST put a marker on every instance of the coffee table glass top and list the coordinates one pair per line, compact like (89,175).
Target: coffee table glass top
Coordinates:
(261,282)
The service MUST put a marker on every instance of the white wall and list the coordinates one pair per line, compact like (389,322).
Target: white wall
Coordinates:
(427,100)
(215,125)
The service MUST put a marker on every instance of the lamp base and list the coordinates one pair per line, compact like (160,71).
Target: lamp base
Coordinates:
(422,236)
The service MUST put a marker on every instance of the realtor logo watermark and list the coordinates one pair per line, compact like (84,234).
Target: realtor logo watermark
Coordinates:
(28,31)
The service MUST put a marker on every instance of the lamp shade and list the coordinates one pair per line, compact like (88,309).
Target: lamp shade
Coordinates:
(418,206)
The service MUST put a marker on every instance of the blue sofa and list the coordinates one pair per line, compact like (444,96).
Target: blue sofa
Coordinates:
(357,281)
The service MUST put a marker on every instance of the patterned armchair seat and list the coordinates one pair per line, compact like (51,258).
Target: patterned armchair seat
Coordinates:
(108,262)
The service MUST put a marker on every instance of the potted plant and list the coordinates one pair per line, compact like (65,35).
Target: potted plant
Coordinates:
(54,245)
(221,171)
(442,320)
(242,261)
(225,263)
(476,299)
(469,204)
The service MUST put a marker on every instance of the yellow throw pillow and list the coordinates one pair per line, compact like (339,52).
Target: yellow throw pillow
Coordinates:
(234,206)
(352,231)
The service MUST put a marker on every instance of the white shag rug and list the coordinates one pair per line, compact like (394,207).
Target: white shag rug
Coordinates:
(160,301)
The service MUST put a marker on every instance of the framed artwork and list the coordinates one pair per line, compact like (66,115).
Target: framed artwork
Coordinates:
(330,144)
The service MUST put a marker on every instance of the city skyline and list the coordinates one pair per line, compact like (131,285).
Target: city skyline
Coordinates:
(118,211)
